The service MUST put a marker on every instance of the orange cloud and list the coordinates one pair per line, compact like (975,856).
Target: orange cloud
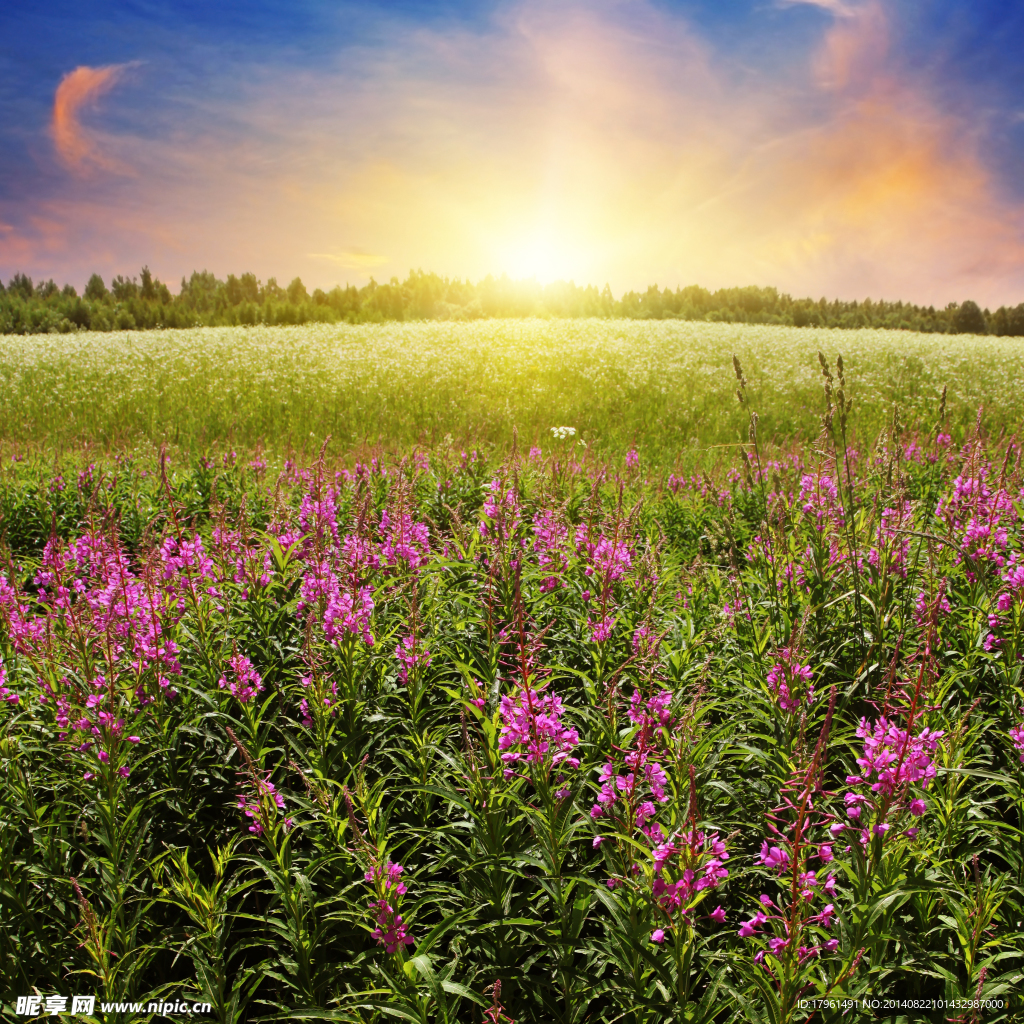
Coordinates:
(77,89)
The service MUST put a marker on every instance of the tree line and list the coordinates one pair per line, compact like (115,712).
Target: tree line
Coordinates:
(146,303)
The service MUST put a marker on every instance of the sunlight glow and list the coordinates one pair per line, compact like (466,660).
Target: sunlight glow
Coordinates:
(542,254)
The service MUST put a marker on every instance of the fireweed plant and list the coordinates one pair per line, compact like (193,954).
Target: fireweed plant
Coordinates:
(443,736)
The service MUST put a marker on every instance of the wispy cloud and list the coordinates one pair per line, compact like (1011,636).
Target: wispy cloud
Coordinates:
(79,89)
(837,7)
(351,260)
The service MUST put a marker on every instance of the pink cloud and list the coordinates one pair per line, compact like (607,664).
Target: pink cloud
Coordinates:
(79,89)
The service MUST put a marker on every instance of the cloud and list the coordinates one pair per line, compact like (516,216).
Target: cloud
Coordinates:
(855,51)
(837,7)
(352,260)
(79,89)
(602,142)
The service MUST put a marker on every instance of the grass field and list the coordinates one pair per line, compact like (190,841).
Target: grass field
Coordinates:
(664,385)
(519,735)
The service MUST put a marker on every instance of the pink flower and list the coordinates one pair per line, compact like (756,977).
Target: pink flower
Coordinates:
(789,682)
(917,807)
(825,917)
(658,936)
(246,681)
(601,629)
(773,857)
(749,928)
(405,542)
(411,655)
(391,877)
(259,806)
(532,730)
(1017,736)
(348,614)
(645,811)
(391,931)
(717,915)
(894,757)
(825,853)
(598,840)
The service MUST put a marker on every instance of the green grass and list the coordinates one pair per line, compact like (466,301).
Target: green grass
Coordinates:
(665,385)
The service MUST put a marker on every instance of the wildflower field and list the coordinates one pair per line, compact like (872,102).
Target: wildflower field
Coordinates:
(532,732)
(665,386)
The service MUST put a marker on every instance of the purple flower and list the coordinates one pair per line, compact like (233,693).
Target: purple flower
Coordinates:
(391,931)
(390,875)
(789,682)
(825,917)
(245,682)
(532,730)
(601,629)
(749,928)
(411,655)
(773,857)
(658,936)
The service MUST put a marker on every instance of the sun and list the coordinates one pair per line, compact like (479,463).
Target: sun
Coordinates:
(540,254)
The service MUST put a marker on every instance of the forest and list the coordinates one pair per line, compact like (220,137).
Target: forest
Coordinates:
(145,303)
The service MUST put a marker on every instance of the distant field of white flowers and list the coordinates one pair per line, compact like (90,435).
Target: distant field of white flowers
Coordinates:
(664,385)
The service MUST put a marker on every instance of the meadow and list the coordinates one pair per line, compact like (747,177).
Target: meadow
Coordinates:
(665,386)
(577,724)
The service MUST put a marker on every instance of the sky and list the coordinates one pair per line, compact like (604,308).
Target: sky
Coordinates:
(837,148)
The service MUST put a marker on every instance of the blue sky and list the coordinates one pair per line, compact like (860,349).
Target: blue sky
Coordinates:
(837,147)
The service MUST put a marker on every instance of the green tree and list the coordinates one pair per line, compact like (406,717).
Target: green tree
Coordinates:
(21,285)
(969,319)
(124,288)
(148,291)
